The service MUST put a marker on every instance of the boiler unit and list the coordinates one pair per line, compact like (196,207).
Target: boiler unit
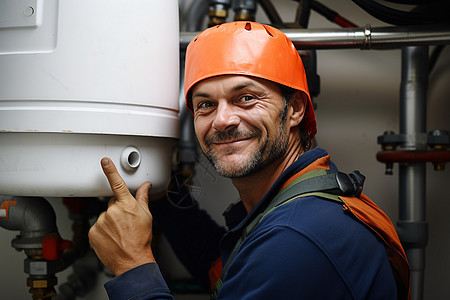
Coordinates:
(81,80)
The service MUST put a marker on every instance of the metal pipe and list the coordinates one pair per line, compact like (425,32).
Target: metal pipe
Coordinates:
(363,38)
(187,143)
(413,93)
(36,220)
(412,225)
(34,217)
(196,14)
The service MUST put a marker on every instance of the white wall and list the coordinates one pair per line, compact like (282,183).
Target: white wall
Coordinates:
(359,100)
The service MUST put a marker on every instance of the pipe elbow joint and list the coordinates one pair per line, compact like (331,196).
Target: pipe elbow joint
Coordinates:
(34,217)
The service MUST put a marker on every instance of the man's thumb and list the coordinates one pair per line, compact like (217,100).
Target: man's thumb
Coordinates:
(142,194)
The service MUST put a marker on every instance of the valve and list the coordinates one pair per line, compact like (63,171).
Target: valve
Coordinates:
(218,11)
(35,218)
(42,289)
(389,142)
(53,246)
(439,140)
(244,10)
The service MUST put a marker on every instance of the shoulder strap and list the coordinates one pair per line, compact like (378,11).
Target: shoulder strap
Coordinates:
(320,183)
(369,214)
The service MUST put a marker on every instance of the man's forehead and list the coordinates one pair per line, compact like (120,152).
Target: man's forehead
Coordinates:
(232,82)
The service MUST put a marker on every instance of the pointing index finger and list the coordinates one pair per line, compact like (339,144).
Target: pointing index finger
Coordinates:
(118,185)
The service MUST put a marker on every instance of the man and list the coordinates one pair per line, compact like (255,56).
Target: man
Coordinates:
(246,87)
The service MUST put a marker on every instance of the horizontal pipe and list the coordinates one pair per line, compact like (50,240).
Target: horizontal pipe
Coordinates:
(413,156)
(363,37)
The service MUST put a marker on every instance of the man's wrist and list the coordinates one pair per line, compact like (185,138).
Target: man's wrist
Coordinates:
(142,279)
(128,265)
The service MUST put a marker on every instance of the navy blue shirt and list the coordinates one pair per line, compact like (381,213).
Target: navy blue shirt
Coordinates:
(309,248)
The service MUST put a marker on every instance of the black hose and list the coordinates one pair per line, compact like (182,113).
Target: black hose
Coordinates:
(196,14)
(303,18)
(434,57)
(411,2)
(435,12)
(271,13)
(331,15)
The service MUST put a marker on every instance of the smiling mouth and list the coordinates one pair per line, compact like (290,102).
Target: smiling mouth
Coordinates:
(231,138)
(228,142)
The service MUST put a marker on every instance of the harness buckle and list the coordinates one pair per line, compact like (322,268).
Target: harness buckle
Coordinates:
(350,184)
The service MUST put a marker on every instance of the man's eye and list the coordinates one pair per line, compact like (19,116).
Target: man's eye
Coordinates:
(247,98)
(205,105)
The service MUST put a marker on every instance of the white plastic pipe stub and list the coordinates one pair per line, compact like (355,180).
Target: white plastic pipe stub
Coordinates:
(130,158)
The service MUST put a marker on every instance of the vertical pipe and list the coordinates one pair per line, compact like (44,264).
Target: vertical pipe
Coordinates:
(412,176)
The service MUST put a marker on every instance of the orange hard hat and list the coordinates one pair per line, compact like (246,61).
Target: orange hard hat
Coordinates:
(247,48)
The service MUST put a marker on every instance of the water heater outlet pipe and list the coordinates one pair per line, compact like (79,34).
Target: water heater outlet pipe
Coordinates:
(130,158)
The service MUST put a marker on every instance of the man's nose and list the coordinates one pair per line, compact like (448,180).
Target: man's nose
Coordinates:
(226,117)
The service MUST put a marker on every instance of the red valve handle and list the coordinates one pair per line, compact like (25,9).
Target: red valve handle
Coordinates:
(53,246)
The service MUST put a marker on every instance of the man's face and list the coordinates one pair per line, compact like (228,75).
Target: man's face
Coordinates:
(240,123)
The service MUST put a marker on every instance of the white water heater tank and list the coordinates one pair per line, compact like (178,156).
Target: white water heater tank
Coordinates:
(83,79)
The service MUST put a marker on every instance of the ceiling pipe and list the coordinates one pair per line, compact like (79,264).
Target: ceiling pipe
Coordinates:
(364,37)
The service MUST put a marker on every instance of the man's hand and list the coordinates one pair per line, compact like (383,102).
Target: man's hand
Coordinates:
(122,235)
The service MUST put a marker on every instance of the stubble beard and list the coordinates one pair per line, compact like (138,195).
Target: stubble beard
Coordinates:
(267,153)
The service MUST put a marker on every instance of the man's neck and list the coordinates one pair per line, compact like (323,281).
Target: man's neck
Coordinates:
(253,187)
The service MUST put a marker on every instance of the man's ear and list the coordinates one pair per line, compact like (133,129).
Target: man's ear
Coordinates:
(297,108)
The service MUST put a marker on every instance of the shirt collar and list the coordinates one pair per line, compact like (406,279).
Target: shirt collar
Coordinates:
(236,216)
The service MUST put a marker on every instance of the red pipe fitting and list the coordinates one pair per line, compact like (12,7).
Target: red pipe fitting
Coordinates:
(53,246)
(438,158)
